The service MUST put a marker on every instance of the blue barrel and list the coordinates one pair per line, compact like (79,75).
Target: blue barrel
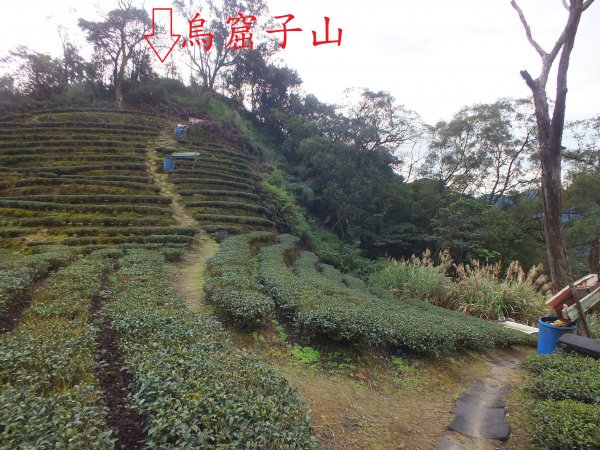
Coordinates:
(178,132)
(169,164)
(549,334)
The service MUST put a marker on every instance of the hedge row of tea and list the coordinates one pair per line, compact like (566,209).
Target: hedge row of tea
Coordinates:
(192,387)
(196,390)
(220,190)
(49,393)
(231,282)
(566,411)
(71,172)
(18,273)
(322,301)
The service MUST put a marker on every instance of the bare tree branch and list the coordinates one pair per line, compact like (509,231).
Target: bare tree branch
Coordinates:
(532,41)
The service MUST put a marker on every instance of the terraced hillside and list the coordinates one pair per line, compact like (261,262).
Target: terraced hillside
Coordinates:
(220,188)
(81,178)
(96,349)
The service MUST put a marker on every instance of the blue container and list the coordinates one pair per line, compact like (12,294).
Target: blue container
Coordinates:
(169,164)
(549,334)
(178,132)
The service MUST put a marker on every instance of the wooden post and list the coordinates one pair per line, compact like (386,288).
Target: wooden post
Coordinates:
(586,328)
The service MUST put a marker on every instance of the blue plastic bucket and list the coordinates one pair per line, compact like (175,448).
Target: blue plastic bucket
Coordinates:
(549,334)
(169,164)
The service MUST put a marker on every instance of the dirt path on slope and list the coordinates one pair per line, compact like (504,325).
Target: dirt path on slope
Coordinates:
(162,180)
(189,277)
(362,403)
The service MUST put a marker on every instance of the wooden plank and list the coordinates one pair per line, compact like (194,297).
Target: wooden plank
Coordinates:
(587,303)
(580,344)
(565,295)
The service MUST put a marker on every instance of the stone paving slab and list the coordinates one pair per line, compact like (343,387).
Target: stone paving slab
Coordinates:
(487,429)
(447,443)
(475,412)
(484,400)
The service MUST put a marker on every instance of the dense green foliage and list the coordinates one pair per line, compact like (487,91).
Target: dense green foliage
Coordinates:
(321,305)
(564,377)
(231,283)
(48,391)
(565,425)
(569,414)
(195,388)
(18,273)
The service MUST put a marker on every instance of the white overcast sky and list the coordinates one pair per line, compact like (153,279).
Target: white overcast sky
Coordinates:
(434,56)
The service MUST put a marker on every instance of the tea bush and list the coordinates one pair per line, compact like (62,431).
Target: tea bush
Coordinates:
(219,193)
(67,207)
(48,391)
(564,377)
(228,205)
(245,220)
(195,388)
(569,414)
(231,283)
(18,273)
(322,306)
(565,425)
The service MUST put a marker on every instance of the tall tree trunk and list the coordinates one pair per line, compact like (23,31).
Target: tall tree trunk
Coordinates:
(119,87)
(558,259)
(550,131)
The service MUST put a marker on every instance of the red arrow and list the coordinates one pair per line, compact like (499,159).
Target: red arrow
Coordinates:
(157,39)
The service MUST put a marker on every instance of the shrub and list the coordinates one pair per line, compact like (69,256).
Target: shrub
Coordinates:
(569,416)
(322,306)
(96,199)
(417,278)
(196,390)
(67,207)
(228,205)
(231,283)
(90,181)
(565,425)
(246,220)
(219,193)
(19,273)
(564,377)
(48,392)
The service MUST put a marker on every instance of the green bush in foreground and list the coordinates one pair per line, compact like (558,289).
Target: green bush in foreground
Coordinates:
(196,390)
(48,391)
(564,377)
(569,414)
(565,425)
